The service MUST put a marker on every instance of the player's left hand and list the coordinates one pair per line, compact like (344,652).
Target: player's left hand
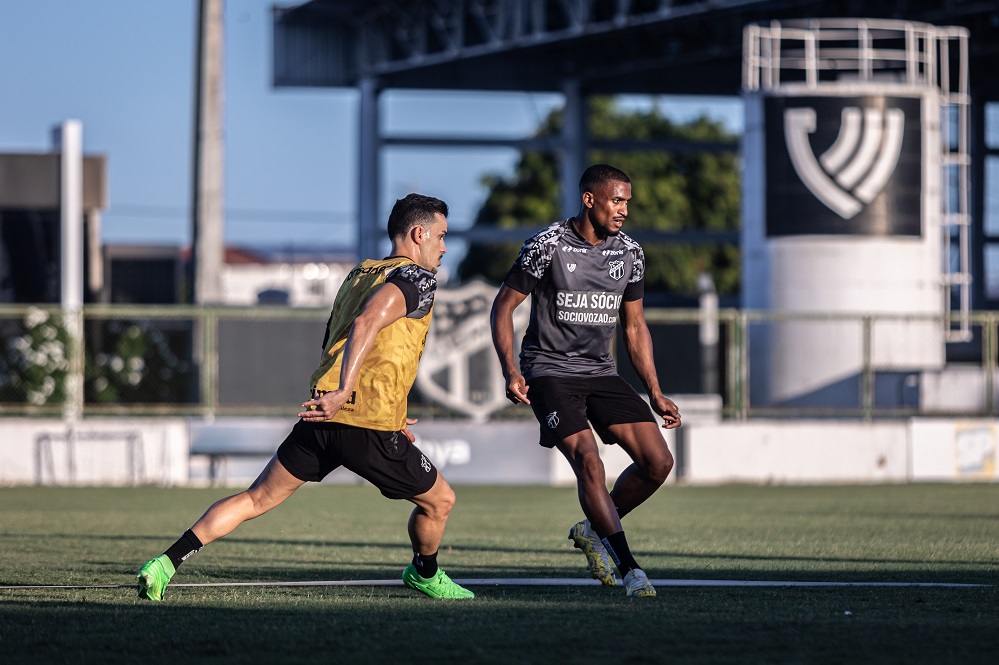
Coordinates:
(408,432)
(666,408)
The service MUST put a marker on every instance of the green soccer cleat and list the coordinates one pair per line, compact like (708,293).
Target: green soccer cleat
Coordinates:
(438,586)
(597,561)
(154,575)
(637,584)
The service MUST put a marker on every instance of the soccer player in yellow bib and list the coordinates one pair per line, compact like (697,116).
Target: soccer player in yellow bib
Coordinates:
(356,417)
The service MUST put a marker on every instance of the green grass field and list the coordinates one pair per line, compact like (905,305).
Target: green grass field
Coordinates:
(900,533)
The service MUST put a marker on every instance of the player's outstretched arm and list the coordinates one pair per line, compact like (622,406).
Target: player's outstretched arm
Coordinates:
(501,323)
(385,307)
(638,342)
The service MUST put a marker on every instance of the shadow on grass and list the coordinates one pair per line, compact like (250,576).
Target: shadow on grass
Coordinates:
(380,559)
(504,624)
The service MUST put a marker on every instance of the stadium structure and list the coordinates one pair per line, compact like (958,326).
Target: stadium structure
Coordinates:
(869,160)
(870,239)
(582,48)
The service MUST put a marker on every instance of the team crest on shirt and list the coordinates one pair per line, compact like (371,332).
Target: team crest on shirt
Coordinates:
(553,420)
(571,267)
(616,269)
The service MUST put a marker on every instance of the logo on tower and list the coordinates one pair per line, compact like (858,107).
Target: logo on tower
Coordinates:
(850,165)
(857,166)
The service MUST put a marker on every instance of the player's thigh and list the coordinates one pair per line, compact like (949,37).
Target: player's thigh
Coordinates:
(390,462)
(274,484)
(644,444)
(559,404)
(579,448)
(311,451)
(438,500)
(620,416)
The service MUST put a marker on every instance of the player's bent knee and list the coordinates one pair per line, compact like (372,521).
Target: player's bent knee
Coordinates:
(438,502)
(446,501)
(659,470)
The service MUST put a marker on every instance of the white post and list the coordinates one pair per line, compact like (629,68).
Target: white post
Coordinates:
(67,139)
(708,333)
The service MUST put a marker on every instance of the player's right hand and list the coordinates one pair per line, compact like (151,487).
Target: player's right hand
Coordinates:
(322,407)
(516,389)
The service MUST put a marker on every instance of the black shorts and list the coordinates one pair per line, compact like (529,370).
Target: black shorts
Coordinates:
(385,459)
(564,406)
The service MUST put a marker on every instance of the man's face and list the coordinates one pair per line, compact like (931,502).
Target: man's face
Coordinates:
(609,206)
(432,248)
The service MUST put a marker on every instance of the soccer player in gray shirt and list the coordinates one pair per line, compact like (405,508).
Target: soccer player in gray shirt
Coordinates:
(585,277)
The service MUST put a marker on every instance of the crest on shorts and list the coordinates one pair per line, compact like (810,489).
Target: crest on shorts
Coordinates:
(616,269)
(459,369)
(552,420)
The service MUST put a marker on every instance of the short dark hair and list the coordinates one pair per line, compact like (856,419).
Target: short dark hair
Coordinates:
(600,174)
(412,210)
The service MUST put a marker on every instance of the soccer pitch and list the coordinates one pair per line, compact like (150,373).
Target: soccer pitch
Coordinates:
(689,537)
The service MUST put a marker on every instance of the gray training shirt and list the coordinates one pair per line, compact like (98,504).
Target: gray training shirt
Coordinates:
(577,289)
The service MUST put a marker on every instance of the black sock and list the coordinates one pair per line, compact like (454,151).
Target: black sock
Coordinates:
(426,564)
(187,545)
(617,548)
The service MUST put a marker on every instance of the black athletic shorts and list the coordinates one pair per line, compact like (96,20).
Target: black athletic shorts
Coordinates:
(385,459)
(564,406)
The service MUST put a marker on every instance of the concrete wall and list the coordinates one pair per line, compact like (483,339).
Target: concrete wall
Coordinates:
(171,451)
(837,451)
(102,451)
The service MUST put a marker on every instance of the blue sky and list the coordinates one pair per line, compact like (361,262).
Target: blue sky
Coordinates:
(125,68)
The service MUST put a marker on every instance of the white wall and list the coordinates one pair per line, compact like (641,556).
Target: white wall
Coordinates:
(307,284)
(839,451)
(157,451)
(94,452)
(796,452)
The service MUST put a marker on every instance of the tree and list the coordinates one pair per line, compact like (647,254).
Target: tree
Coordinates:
(672,192)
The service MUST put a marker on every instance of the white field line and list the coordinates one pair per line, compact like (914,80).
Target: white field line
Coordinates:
(518,581)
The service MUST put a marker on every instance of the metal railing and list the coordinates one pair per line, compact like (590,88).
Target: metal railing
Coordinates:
(182,360)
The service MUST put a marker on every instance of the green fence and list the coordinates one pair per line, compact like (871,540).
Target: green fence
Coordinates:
(183,360)
(869,366)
